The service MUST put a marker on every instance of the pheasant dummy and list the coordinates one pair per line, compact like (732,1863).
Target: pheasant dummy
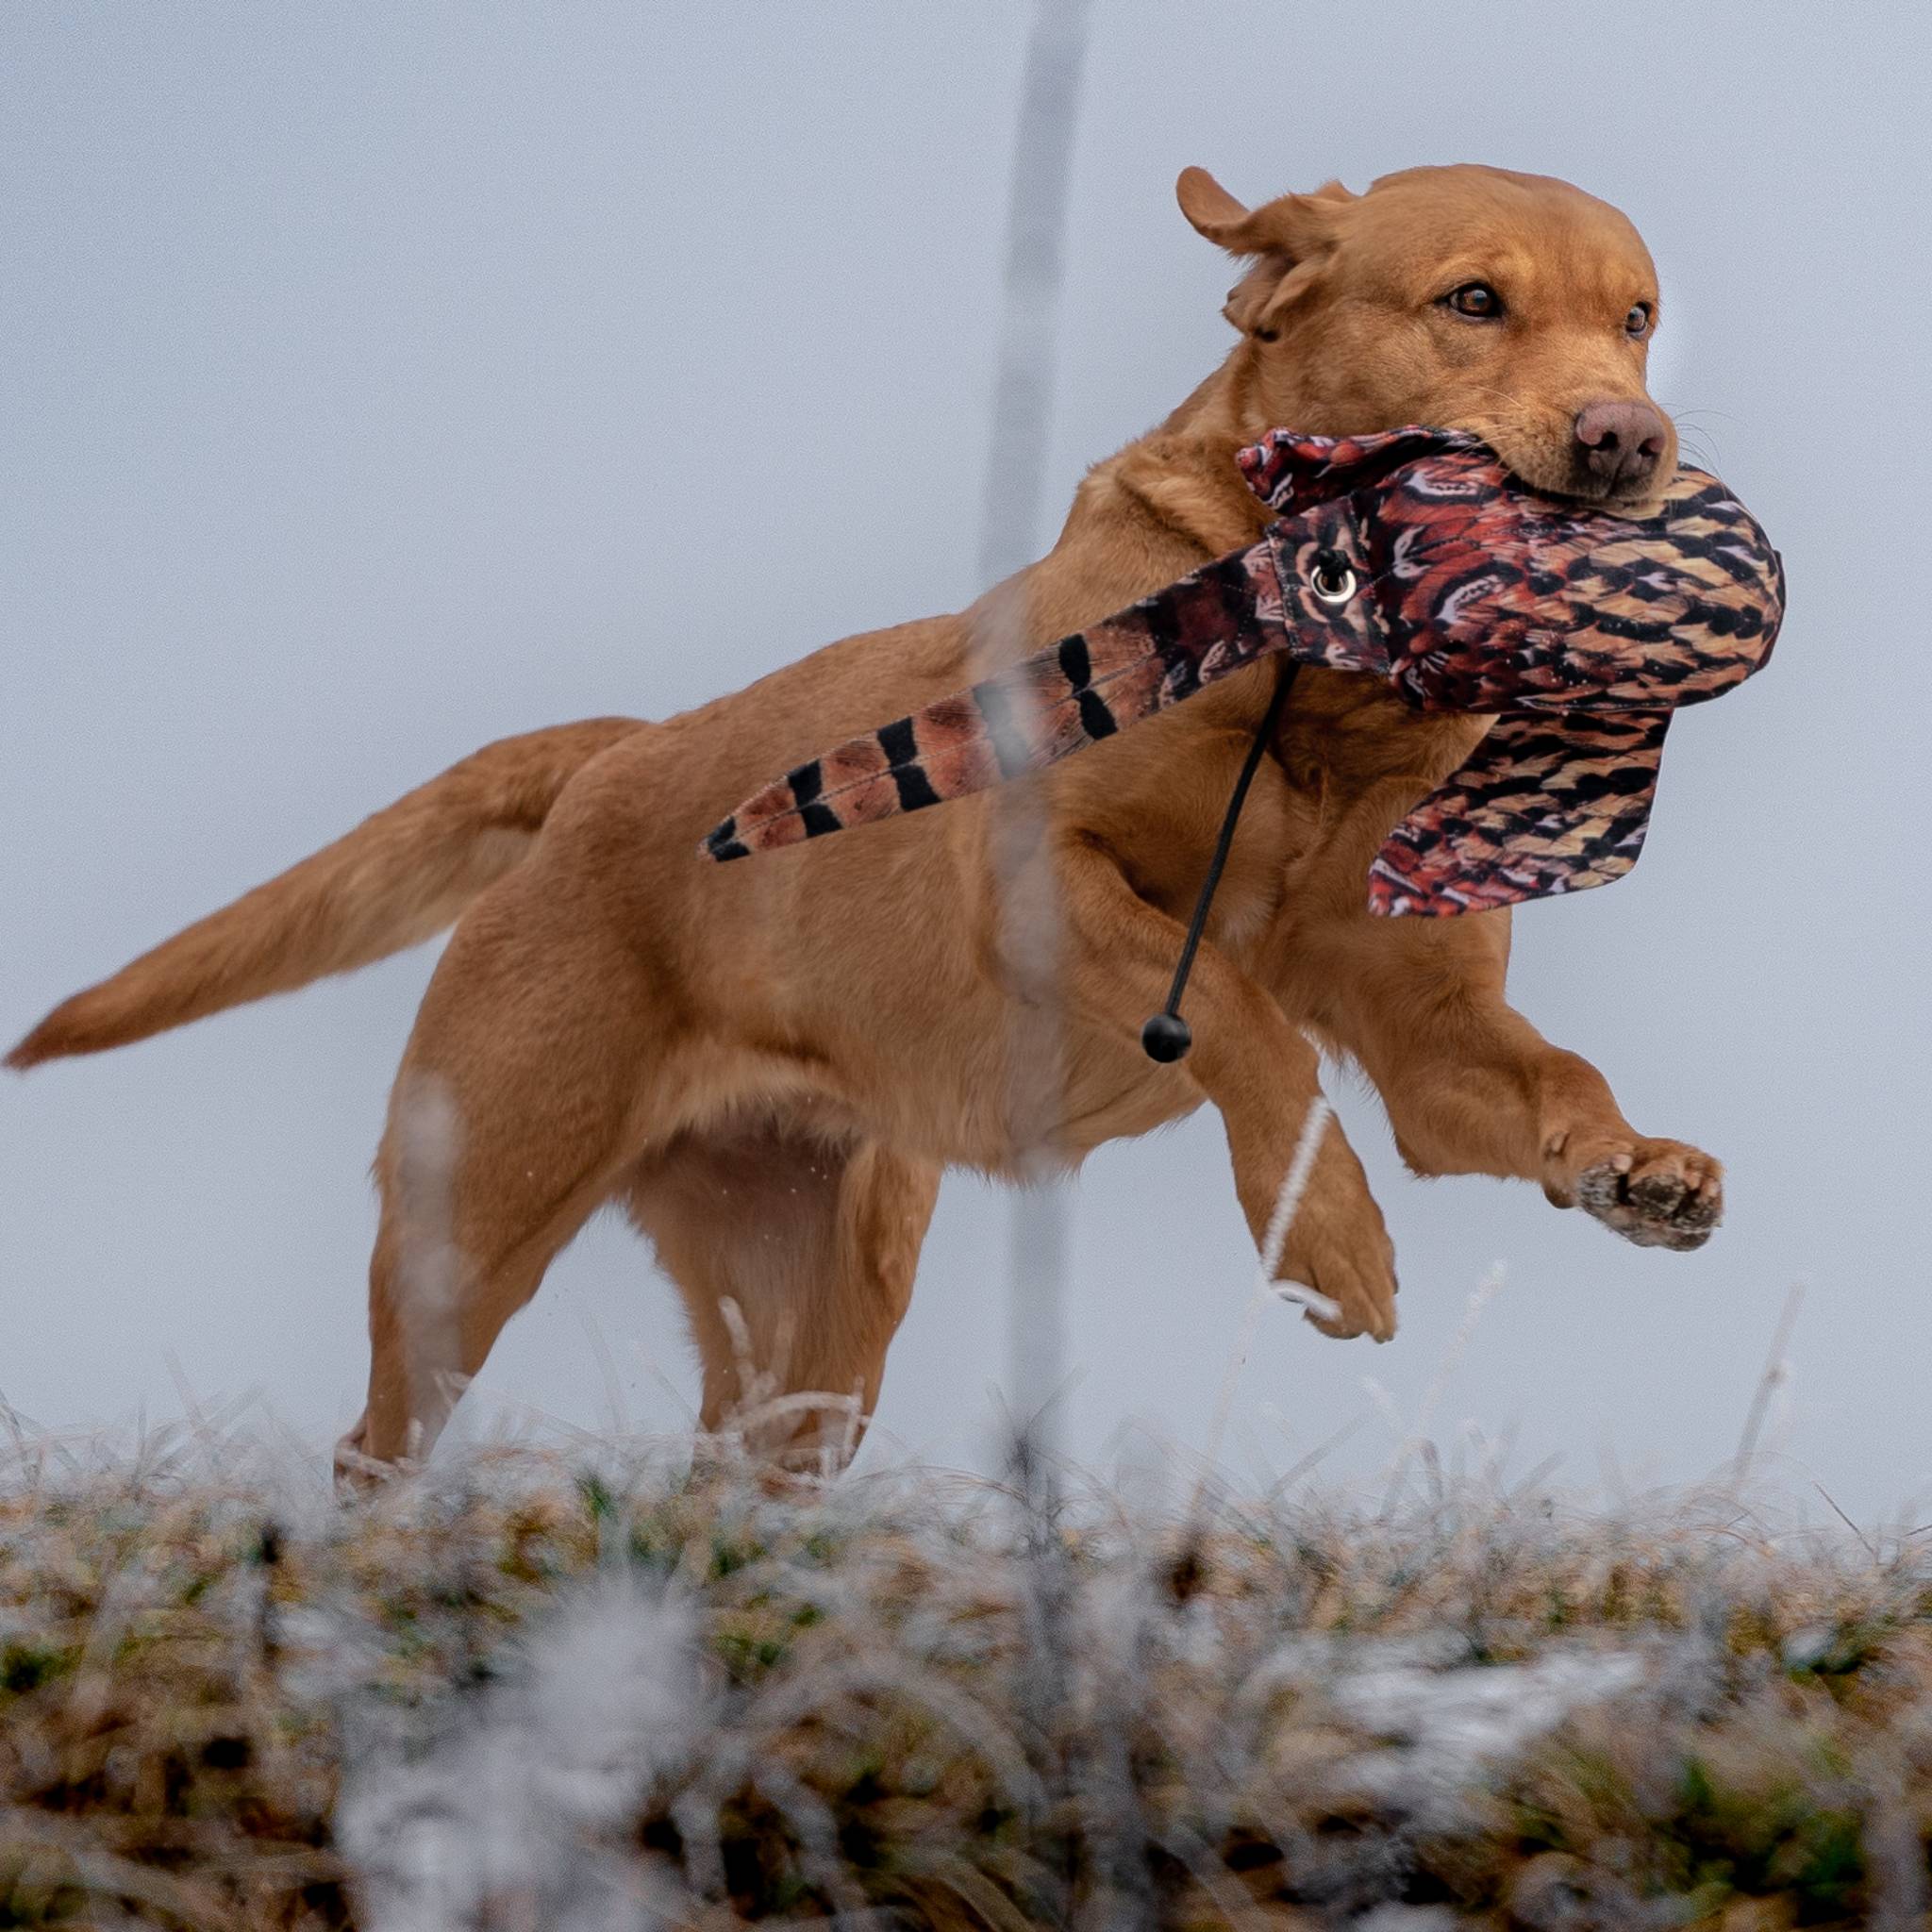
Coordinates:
(1413,557)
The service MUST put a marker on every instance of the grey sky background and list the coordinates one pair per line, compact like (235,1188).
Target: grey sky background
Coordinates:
(379,380)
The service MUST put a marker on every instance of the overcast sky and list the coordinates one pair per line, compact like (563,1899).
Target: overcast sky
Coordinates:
(382,379)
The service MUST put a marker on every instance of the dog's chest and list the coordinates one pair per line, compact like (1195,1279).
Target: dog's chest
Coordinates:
(1347,739)
(1352,765)
(1349,763)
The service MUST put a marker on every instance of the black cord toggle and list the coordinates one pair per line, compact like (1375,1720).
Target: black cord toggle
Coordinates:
(1167,1037)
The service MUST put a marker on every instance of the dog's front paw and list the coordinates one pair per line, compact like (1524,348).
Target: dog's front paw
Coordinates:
(1341,1250)
(1658,1193)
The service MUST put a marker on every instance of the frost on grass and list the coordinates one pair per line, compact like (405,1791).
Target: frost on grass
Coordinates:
(524,1800)
(592,1691)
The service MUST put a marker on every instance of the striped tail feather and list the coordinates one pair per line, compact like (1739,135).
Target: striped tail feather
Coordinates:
(1057,702)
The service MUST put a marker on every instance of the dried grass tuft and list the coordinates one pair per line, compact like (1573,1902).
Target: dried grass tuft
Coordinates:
(592,1689)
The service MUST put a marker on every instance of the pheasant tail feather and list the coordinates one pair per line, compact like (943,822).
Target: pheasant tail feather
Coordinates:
(1072,695)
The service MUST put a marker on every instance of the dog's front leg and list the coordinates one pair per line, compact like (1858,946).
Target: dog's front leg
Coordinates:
(1473,1088)
(1117,955)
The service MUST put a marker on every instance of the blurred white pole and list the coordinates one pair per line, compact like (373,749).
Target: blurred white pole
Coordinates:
(1035,272)
(1009,540)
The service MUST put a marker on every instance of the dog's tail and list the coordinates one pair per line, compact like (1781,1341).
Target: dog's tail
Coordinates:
(399,878)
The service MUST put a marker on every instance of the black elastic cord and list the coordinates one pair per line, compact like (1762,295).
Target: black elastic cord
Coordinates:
(1166,1035)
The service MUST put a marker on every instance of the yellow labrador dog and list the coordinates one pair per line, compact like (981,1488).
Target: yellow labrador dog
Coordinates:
(771,1065)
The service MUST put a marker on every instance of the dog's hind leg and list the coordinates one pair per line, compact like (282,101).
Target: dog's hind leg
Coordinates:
(516,1110)
(794,1255)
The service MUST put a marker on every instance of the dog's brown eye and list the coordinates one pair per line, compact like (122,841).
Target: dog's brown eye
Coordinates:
(1637,321)
(1477,300)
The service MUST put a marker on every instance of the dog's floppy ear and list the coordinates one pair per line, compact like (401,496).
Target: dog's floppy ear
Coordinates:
(1290,236)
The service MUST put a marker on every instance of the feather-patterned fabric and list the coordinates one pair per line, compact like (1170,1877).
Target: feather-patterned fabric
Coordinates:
(1416,558)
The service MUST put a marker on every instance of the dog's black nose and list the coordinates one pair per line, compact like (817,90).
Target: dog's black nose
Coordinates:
(1621,442)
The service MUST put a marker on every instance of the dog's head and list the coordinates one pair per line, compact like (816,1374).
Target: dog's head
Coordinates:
(1510,304)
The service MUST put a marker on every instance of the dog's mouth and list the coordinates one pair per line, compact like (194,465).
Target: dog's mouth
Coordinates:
(1538,467)
(1638,504)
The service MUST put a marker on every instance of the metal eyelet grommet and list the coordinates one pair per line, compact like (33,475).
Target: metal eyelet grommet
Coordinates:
(1332,581)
